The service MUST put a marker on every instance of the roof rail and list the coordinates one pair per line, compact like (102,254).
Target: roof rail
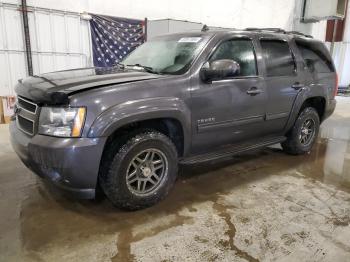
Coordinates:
(271,29)
(299,33)
(277,30)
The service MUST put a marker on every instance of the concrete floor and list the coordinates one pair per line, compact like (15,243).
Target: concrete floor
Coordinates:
(263,206)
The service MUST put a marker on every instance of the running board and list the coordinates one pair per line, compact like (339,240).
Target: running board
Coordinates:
(231,150)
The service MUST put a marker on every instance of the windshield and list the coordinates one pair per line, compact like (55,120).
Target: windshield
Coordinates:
(166,55)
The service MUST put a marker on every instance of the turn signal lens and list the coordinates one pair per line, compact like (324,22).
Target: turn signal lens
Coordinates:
(78,122)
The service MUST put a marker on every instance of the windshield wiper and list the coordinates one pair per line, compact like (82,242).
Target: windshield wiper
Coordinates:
(146,68)
(120,65)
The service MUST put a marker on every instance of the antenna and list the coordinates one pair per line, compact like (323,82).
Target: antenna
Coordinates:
(205,28)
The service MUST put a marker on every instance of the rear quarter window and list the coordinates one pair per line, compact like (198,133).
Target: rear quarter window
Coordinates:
(316,56)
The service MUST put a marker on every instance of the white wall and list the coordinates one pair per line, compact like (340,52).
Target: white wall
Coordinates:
(222,13)
(61,40)
(341,55)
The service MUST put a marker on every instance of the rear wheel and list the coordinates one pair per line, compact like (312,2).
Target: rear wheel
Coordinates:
(304,132)
(142,171)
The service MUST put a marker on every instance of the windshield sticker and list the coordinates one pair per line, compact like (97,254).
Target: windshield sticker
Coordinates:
(190,40)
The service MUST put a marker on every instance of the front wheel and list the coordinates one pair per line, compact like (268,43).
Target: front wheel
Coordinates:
(304,133)
(142,171)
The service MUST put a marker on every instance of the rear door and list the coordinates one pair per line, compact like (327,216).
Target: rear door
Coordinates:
(283,82)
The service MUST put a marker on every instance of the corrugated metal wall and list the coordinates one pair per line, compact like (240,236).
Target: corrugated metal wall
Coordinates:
(59,39)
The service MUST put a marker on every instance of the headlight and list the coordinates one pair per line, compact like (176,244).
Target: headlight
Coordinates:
(60,121)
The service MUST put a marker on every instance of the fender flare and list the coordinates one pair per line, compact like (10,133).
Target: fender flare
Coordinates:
(302,96)
(128,112)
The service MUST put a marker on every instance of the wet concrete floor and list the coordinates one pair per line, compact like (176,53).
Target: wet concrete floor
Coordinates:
(262,206)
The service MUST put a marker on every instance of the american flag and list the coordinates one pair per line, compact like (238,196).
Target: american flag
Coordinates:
(113,38)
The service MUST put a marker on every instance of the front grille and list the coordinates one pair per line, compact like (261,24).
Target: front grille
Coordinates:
(27,115)
(25,125)
(27,105)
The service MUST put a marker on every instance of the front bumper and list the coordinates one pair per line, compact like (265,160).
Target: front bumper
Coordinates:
(71,164)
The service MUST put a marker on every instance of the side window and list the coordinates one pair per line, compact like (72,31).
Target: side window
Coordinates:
(239,50)
(316,56)
(278,58)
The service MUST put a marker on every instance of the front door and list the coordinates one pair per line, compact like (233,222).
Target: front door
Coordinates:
(230,110)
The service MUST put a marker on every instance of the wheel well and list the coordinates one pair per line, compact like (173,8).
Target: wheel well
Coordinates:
(168,126)
(319,103)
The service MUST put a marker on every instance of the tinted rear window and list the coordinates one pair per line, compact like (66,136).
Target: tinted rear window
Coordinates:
(315,55)
(278,58)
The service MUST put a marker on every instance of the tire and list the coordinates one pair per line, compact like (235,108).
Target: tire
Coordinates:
(139,154)
(296,143)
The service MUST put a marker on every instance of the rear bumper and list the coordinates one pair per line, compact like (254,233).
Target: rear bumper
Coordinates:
(330,107)
(71,164)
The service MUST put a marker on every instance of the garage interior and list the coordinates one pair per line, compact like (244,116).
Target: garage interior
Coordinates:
(260,206)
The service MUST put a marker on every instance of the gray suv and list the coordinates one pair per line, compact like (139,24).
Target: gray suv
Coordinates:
(177,99)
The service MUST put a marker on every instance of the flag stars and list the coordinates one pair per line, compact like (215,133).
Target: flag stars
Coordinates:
(114,40)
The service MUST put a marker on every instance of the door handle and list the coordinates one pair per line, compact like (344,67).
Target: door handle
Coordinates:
(298,86)
(254,91)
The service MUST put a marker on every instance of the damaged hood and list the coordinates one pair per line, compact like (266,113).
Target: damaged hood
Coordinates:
(55,88)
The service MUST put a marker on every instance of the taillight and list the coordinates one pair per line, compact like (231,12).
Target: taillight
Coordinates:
(336,85)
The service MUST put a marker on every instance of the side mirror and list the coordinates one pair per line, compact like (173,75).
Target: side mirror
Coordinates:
(310,64)
(220,69)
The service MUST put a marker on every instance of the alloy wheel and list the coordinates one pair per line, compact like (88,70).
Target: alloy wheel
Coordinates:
(146,172)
